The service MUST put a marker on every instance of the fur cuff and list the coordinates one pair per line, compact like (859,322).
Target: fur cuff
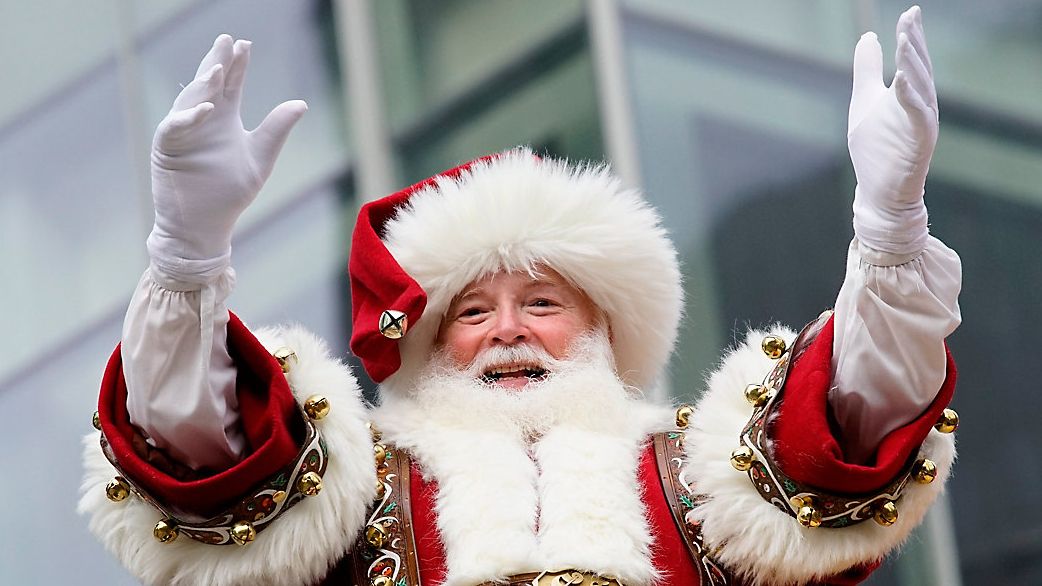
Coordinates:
(302,545)
(758,543)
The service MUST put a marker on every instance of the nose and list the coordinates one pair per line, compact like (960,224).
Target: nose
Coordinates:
(509,327)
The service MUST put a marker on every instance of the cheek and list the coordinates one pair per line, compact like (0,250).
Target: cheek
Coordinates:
(461,344)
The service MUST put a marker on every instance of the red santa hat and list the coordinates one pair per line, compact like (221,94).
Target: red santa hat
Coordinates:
(414,251)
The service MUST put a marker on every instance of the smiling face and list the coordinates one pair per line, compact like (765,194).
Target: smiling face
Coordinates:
(511,311)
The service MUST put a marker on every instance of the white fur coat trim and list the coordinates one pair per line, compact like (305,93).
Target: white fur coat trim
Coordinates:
(758,542)
(571,499)
(514,212)
(302,545)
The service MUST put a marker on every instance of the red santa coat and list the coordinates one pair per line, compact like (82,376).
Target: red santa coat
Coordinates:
(749,537)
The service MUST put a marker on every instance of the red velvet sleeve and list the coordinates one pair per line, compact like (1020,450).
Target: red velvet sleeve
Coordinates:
(270,419)
(808,449)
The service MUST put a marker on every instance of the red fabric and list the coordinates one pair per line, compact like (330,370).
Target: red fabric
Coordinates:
(271,424)
(429,548)
(378,282)
(808,450)
(669,553)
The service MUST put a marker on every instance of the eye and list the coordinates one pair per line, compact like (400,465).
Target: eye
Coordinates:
(542,303)
(470,312)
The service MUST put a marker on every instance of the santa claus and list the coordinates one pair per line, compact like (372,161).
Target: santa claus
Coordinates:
(516,311)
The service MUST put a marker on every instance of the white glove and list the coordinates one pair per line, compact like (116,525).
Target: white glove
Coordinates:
(891,134)
(206,168)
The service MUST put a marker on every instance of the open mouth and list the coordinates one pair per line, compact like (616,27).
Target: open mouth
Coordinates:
(513,373)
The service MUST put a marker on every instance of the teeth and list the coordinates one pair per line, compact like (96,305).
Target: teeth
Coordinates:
(528,371)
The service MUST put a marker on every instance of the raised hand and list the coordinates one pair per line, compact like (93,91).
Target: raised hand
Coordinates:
(891,134)
(207,168)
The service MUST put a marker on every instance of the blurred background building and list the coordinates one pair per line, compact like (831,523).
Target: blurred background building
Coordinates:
(731,116)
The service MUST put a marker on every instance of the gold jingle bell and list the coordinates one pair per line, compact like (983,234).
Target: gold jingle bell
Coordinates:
(948,422)
(309,484)
(886,513)
(381,581)
(279,496)
(773,347)
(117,490)
(379,454)
(286,358)
(316,407)
(757,395)
(393,324)
(809,516)
(243,532)
(381,490)
(925,471)
(684,413)
(742,458)
(96,420)
(165,531)
(376,534)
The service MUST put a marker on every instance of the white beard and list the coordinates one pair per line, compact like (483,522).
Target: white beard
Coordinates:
(532,479)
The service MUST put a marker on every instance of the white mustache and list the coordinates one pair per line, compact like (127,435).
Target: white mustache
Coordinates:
(523,354)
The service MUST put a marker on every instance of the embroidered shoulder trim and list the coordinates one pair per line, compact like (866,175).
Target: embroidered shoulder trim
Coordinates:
(385,554)
(681,496)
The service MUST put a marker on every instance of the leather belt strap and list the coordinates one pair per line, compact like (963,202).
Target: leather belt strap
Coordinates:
(558,578)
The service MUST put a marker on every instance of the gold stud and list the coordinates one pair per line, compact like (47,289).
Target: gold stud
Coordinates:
(773,347)
(279,496)
(758,395)
(381,490)
(379,454)
(393,324)
(381,581)
(684,413)
(96,420)
(809,516)
(742,458)
(376,534)
(309,484)
(316,407)
(924,471)
(243,533)
(286,358)
(165,531)
(948,422)
(117,490)
(886,513)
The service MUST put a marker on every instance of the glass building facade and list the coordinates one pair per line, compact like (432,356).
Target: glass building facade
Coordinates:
(733,118)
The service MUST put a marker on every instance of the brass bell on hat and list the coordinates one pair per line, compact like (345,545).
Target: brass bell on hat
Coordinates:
(684,413)
(165,531)
(381,490)
(773,347)
(948,422)
(117,490)
(243,532)
(393,324)
(886,513)
(317,407)
(286,358)
(96,420)
(309,484)
(381,581)
(742,458)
